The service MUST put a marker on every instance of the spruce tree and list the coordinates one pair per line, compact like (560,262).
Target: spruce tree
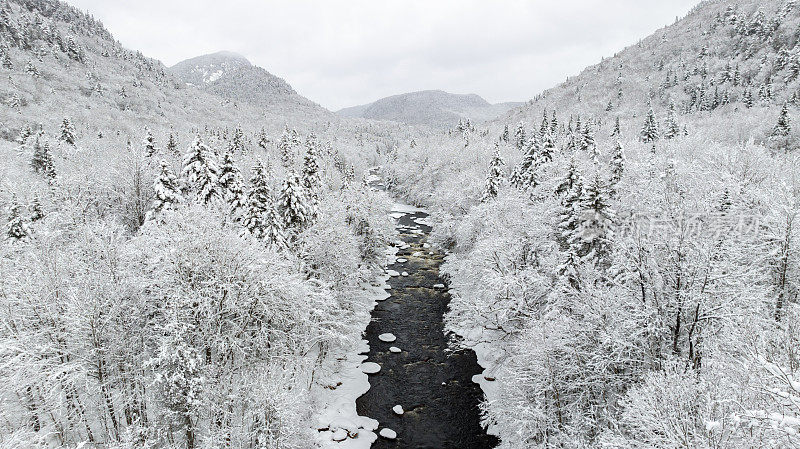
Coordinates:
(672,128)
(294,204)
(649,132)
(149,144)
(17,227)
(596,228)
(504,137)
(286,146)
(495,179)
(232,185)
(37,213)
(525,175)
(548,149)
(237,144)
(617,164)
(172,144)
(545,124)
(42,161)
(554,124)
(615,132)
(201,172)
(274,232)
(259,202)
(166,192)
(568,235)
(263,139)
(312,181)
(587,142)
(67,132)
(519,137)
(783,127)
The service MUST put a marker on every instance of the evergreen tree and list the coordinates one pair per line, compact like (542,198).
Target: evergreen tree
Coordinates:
(232,185)
(286,146)
(274,232)
(149,144)
(172,144)
(554,124)
(596,229)
(519,137)
(617,164)
(615,132)
(263,139)
(67,132)
(545,124)
(259,202)
(237,144)
(7,64)
(525,175)
(504,137)
(312,181)
(37,213)
(568,235)
(783,127)
(672,128)
(17,227)
(166,192)
(201,172)
(495,179)
(42,161)
(587,142)
(649,132)
(548,149)
(294,204)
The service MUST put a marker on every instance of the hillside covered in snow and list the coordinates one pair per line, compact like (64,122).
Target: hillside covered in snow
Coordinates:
(433,108)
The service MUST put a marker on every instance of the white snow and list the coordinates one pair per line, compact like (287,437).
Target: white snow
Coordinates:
(388,433)
(395,349)
(397,215)
(370,368)
(392,273)
(398,409)
(426,245)
(406,208)
(401,260)
(438,286)
(405,273)
(387,337)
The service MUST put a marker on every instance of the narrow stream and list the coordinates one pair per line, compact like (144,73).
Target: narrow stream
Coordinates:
(434,386)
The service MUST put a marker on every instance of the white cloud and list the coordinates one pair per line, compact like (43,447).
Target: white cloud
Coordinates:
(341,53)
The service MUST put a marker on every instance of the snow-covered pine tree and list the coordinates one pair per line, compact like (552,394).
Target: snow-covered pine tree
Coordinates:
(263,139)
(201,172)
(237,143)
(286,146)
(649,132)
(149,143)
(545,124)
(67,132)
(495,179)
(294,203)
(596,229)
(554,124)
(166,192)
(519,136)
(548,149)
(524,176)
(42,161)
(231,184)
(505,136)
(17,227)
(616,131)
(259,202)
(587,142)
(37,212)
(617,164)
(672,130)
(783,127)
(312,180)
(172,144)
(567,231)
(274,232)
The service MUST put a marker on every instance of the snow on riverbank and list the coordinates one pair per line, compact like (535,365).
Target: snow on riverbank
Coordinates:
(343,381)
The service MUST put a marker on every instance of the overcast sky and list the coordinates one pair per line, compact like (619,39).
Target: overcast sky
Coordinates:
(346,52)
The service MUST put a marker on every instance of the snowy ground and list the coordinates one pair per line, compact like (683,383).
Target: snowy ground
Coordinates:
(344,380)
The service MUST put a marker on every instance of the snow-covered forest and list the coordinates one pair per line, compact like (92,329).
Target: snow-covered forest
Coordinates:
(203,264)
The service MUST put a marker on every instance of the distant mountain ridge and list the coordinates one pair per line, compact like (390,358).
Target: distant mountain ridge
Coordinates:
(435,108)
(231,76)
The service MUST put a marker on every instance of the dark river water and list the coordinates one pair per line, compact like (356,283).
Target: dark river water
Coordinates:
(433,385)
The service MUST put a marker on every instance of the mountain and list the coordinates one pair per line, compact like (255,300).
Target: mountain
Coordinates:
(429,107)
(231,76)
